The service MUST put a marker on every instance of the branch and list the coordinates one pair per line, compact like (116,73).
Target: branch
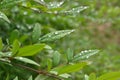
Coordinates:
(38,71)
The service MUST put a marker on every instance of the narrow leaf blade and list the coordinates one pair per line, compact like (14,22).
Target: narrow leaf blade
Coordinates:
(30,50)
(55,35)
(69,68)
(26,60)
(110,76)
(85,54)
(4,17)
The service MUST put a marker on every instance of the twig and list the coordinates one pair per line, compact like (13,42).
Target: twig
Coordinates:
(38,71)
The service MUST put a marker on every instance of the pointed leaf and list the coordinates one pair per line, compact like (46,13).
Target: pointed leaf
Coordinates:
(75,10)
(69,54)
(54,4)
(49,64)
(55,35)
(4,17)
(14,35)
(36,32)
(30,50)
(1,44)
(85,54)
(26,60)
(16,46)
(69,68)
(110,76)
(56,58)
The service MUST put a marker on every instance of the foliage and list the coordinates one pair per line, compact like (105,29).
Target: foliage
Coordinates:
(32,46)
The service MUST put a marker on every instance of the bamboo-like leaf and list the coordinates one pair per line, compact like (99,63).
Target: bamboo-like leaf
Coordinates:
(49,64)
(1,44)
(69,55)
(56,58)
(69,68)
(15,47)
(54,4)
(55,35)
(14,35)
(75,11)
(85,54)
(26,60)
(110,76)
(36,32)
(4,17)
(30,50)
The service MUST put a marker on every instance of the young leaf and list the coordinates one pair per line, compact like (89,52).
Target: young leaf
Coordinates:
(110,76)
(55,35)
(4,17)
(26,60)
(56,58)
(16,78)
(85,54)
(1,44)
(69,68)
(30,50)
(36,32)
(30,78)
(15,47)
(69,55)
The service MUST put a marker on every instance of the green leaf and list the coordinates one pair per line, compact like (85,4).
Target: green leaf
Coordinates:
(55,35)
(14,35)
(26,60)
(69,55)
(36,32)
(15,47)
(9,3)
(110,76)
(1,44)
(75,11)
(92,76)
(8,76)
(30,50)
(65,75)
(4,17)
(85,54)
(54,4)
(30,78)
(86,77)
(16,78)
(49,64)
(69,68)
(5,54)
(56,58)
(41,77)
